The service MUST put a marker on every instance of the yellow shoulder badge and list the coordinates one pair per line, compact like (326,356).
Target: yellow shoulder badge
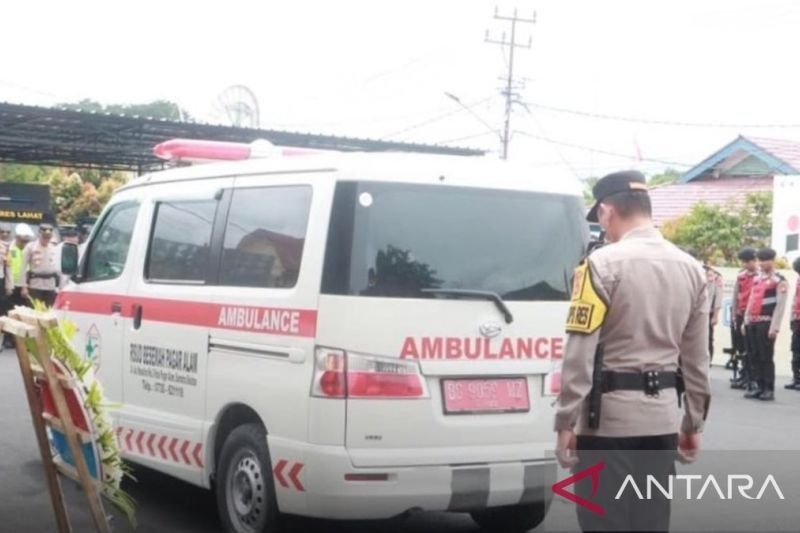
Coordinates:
(587,310)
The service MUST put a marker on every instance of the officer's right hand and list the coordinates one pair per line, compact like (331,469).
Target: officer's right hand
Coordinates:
(24,292)
(565,449)
(688,447)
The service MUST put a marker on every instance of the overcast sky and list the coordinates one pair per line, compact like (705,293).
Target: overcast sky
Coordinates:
(380,69)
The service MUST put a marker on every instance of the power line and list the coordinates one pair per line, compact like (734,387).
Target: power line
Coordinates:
(437,118)
(512,45)
(599,151)
(467,137)
(555,146)
(660,122)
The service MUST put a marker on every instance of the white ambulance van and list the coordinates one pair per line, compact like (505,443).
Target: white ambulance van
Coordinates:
(347,336)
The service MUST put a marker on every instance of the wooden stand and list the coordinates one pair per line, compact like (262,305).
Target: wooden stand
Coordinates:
(26,323)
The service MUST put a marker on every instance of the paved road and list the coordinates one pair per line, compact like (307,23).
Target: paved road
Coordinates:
(168,505)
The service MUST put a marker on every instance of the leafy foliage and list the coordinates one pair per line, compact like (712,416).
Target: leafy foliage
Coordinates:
(718,233)
(666,177)
(155,109)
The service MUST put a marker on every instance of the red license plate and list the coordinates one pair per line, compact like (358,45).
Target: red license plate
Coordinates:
(471,396)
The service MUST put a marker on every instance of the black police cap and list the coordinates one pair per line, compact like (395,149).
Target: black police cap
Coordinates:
(627,180)
(766,254)
(796,265)
(746,254)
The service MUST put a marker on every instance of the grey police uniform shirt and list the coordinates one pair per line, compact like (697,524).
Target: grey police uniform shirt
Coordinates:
(715,289)
(657,312)
(40,260)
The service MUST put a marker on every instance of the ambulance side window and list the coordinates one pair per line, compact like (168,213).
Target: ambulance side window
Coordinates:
(264,237)
(180,242)
(107,252)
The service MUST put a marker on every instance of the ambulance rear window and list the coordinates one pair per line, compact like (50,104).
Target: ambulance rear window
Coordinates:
(393,240)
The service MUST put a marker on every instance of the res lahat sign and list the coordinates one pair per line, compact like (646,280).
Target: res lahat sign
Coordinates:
(23,202)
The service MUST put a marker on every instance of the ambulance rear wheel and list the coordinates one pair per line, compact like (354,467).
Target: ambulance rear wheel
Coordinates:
(245,489)
(511,519)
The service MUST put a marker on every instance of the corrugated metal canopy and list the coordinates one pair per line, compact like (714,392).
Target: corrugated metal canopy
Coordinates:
(48,136)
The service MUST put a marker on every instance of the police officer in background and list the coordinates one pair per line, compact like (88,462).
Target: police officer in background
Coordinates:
(6,283)
(23,234)
(764,314)
(795,383)
(740,339)
(40,267)
(639,312)
(715,295)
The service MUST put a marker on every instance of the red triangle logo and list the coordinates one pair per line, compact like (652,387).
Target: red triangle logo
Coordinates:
(594,472)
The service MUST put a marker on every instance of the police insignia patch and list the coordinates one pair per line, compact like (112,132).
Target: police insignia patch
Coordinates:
(587,310)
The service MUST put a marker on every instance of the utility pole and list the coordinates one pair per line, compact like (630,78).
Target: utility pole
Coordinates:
(512,44)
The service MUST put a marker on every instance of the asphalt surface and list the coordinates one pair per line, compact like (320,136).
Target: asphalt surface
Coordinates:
(168,505)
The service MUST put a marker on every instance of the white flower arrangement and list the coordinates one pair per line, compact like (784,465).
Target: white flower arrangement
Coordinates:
(112,468)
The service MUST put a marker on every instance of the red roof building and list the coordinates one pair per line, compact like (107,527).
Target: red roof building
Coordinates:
(744,166)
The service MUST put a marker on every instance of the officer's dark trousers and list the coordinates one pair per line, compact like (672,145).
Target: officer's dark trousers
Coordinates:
(638,457)
(764,349)
(750,358)
(738,337)
(796,352)
(48,297)
(710,337)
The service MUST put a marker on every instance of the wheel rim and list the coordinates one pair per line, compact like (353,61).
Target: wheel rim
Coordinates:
(246,497)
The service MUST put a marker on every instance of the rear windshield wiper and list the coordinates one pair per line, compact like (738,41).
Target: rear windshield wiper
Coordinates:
(478,295)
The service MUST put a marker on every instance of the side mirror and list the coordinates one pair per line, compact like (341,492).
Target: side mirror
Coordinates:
(69,259)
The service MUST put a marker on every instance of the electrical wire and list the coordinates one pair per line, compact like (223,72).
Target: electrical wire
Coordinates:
(659,122)
(599,151)
(437,118)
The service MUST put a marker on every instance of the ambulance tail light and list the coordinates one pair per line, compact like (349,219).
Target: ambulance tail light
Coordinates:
(329,374)
(346,375)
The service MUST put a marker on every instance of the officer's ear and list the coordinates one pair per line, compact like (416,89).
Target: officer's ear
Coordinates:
(604,213)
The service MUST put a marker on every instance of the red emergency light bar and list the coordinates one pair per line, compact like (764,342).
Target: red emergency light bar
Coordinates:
(194,150)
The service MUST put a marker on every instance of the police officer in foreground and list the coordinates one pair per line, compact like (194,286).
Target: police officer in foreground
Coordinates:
(639,313)
(41,268)
(795,323)
(739,335)
(764,314)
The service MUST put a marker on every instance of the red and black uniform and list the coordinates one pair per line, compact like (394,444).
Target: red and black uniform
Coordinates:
(741,295)
(765,310)
(740,336)
(795,384)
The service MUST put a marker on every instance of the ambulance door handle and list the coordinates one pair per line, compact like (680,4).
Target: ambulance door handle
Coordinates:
(137,316)
(116,307)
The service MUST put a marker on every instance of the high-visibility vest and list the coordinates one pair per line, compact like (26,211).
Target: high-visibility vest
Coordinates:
(16,264)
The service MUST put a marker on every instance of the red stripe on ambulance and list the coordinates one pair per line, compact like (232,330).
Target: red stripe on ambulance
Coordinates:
(277,321)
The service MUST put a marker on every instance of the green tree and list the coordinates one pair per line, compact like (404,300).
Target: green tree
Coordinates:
(666,177)
(155,109)
(12,172)
(588,185)
(717,233)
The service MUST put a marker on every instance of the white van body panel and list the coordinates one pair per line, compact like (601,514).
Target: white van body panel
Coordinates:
(202,349)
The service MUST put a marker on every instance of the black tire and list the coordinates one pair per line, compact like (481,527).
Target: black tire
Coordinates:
(245,489)
(511,519)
